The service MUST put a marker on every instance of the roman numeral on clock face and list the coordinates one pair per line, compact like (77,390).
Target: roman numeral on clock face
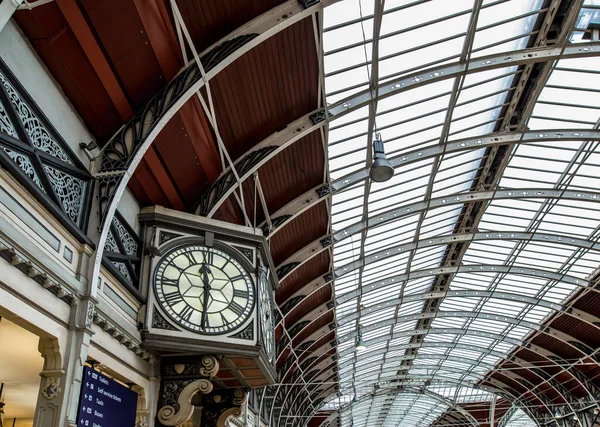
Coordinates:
(186,313)
(236,308)
(209,257)
(173,298)
(241,293)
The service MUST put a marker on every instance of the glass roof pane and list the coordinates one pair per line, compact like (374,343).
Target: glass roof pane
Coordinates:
(444,290)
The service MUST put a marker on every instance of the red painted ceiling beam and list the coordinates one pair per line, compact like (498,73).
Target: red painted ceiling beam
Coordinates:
(90,46)
(161,34)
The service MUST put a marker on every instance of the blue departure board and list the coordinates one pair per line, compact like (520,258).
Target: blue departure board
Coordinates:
(104,402)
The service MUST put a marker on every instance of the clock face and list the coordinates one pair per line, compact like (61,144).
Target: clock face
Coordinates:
(204,289)
(266,314)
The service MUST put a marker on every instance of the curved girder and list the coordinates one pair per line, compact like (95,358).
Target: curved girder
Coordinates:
(302,256)
(478,268)
(400,212)
(315,313)
(314,337)
(125,150)
(405,390)
(304,292)
(559,335)
(542,352)
(317,354)
(452,294)
(466,237)
(392,87)
(517,361)
(322,192)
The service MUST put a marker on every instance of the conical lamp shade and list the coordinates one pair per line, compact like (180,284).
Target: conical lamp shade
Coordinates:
(381,169)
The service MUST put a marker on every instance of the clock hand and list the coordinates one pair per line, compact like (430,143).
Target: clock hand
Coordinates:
(204,270)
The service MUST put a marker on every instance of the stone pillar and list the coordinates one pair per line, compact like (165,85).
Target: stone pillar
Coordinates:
(51,397)
(76,353)
(61,378)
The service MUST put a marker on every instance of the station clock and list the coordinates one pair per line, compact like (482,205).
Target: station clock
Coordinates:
(209,291)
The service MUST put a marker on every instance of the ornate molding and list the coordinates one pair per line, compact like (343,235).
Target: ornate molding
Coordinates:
(121,335)
(28,265)
(178,410)
(52,387)
(181,383)
(165,236)
(52,373)
(160,322)
(245,334)
(221,405)
(210,366)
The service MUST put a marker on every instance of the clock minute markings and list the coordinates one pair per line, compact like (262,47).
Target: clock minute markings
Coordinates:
(173,298)
(241,293)
(236,308)
(186,313)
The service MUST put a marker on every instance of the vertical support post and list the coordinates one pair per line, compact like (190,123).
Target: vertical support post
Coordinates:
(493,411)
(78,343)
(51,396)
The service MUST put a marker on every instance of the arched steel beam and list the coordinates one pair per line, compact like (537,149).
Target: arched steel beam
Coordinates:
(434,331)
(297,329)
(511,375)
(542,352)
(459,199)
(564,393)
(315,313)
(302,256)
(311,250)
(123,153)
(217,195)
(567,339)
(451,294)
(315,336)
(304,292)
(466,237)
(523,364)
(405,390)
(522,271)
(317,354)
(316,195)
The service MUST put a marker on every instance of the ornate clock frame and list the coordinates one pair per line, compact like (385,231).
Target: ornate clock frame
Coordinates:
(242,354)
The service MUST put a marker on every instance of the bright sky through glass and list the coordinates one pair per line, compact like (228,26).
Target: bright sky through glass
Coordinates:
(529,252)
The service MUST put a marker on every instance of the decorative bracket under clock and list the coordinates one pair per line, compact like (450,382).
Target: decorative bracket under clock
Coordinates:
(181,381)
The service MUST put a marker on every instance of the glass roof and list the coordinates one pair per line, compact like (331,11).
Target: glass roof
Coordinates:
(442,288)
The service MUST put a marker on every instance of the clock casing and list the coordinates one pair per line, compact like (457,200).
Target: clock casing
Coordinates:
(209,291)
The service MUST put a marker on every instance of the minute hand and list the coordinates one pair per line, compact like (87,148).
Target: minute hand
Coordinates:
(204,270)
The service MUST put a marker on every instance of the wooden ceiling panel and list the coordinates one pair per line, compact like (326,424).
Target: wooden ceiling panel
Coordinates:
(267,88)
(145,187)
(303,230)
(317,266)
(208,21)
(124,40)
(60,51)
(293,172)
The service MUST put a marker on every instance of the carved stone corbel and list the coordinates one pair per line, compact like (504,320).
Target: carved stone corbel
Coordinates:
(182,379)
(220,405)
(174,415)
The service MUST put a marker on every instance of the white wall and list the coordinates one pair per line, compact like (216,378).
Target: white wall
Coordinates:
(24,63)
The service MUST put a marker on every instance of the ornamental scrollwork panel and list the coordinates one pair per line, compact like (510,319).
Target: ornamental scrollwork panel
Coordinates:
(121,254)
(38,133)
(121,149)
(36,155)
